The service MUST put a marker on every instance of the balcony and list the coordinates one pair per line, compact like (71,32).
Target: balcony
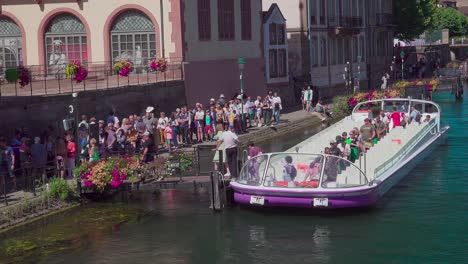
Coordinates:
(100,77)
(344,25)
(384,19)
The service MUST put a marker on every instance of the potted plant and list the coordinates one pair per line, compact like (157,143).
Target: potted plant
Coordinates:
(76,71)
(158,65)
(123,68)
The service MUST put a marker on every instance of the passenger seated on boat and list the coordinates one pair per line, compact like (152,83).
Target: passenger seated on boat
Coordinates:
(344,148)
(367,133)
(404,120)
(314,170)
(427,119)
(289,171)
(331,169)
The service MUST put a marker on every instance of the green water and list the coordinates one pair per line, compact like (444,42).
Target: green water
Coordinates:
(422,220)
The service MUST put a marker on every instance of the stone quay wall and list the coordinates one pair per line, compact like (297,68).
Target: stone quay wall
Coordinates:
(38,112)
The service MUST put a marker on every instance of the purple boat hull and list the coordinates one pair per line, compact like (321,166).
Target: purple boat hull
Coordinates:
(363,197)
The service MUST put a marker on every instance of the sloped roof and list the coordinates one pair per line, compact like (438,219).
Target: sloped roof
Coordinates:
(267,14)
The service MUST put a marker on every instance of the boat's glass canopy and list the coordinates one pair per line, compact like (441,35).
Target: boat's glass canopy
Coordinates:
(301,170)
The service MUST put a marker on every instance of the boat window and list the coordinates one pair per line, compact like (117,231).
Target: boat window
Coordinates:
(294,170)
(401,106)
(341,173)
(253,171)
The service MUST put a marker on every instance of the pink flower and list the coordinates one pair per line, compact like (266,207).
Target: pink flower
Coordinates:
(154,65)
(88,183)
(81,74)
(115,184)
(353,102)
(124,71)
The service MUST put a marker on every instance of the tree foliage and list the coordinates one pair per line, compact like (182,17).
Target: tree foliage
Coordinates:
(413,17)
(451,19)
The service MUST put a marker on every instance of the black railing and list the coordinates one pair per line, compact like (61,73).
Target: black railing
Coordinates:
(345,21)
(384,19)
(46,80)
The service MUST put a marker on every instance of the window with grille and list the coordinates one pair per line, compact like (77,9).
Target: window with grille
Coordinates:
(273,59)
(133,38)
(226,26)
(65,41)
(323,51)
(323,6)
(204,20)
(314,51)
(10,44)
(246,19)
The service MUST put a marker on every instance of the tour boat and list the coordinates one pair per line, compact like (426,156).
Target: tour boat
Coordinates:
(326,181)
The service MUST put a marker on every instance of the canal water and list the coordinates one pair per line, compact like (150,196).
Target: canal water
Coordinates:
(422,220)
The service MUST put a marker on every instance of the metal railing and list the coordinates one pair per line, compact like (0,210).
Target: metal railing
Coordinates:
(379,171)
(345,21)
(384,19)
(47,81)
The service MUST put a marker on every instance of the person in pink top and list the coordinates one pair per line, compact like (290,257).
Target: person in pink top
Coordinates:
(395,116)
(168,132)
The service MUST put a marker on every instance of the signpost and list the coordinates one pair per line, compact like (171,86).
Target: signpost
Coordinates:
(402,55)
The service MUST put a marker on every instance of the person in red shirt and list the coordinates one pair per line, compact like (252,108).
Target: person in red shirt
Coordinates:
(395,117)
(71,155)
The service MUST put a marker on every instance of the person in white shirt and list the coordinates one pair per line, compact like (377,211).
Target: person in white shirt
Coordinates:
(277,108)
(230,140)
(163,121)
(258,113)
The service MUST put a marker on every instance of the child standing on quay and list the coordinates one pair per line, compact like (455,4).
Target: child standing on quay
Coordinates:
(168,131)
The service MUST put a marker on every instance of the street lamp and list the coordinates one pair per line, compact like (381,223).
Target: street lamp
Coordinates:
(358,87)
(402,55)
(347,77)
(240,63)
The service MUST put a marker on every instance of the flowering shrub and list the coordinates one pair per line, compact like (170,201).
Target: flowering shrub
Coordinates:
(159,65)
(107,174)
(23,76)
(452,65)
(20,73)
(373,95)
(123,68)
(77,71)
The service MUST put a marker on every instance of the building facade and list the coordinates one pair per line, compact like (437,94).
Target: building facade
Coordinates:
(207,35)
(332,42)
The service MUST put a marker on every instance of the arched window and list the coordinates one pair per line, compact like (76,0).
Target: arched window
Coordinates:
(10,44)
(65,40)
(133,38)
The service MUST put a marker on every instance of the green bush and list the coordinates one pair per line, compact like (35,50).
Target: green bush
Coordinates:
(11,75)
(59,188)
(340,106)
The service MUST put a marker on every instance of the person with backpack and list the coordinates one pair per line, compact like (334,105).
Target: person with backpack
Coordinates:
(289,171)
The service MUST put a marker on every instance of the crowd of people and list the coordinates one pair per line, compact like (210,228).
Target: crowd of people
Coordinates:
(56,153)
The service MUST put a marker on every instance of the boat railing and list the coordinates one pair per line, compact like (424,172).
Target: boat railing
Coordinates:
(342,181)
(380,170)
(381,102)
(310,171)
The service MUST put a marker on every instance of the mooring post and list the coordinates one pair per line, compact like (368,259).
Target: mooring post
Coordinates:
(221,162)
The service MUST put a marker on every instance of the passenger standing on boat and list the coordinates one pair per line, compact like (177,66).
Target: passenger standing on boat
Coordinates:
(368,133)
(289,171)
(395,116)
(380,127)
(414,114)
(331,167)
(230,140)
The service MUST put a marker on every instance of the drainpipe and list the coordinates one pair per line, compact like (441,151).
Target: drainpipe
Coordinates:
(162,29)
(308,42)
